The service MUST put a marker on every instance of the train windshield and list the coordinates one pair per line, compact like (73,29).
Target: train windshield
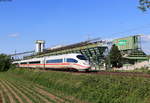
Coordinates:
(81,57)
(71,60)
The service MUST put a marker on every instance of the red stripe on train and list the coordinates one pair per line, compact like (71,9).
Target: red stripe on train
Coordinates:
(59,64)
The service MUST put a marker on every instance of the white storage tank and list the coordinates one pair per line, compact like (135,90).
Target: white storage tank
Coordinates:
(40,45)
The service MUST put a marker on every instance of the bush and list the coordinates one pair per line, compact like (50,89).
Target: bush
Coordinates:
(5,62)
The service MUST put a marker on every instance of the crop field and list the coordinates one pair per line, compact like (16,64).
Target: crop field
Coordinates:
(32,86)
(13,91)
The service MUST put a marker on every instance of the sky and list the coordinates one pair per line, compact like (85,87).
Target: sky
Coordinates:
(62,22)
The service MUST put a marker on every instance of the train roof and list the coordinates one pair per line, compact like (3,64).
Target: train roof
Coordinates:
(66,54)
(56,56)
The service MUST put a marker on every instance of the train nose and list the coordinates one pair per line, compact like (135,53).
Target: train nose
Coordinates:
(86,63)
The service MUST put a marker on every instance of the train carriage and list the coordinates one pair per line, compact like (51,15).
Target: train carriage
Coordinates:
(67,61)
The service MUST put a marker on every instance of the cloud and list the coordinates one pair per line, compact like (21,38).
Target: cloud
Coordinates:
(145,42)
(109,39)
(146,48)
(145,38)
(14,35)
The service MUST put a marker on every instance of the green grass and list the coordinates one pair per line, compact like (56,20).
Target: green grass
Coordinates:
(90,88)
(145,70)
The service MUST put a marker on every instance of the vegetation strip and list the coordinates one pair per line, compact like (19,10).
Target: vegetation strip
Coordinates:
(17,93)
(42,89)
(66,98)
(34,94)
(70,98)
(13,92)
(1,97)
(5,98)
(10,97)
(49,94)
(43,92)
(24,96)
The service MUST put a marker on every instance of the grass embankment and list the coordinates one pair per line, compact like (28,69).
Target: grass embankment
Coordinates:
(88,88)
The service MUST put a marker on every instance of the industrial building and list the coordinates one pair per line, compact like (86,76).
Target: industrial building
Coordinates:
(95,50)
(131,48)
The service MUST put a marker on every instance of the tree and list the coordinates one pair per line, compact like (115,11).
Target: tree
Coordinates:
(115,56)
(5,62)
(144,5)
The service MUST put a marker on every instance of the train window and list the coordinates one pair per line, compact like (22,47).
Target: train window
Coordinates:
(16,63)
(71,60)
(34,62)
(23,63)
(81,57)
(55,61)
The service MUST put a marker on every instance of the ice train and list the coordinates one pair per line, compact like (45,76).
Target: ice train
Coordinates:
(74,61)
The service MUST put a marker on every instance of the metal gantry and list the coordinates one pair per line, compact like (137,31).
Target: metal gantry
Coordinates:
(93,50)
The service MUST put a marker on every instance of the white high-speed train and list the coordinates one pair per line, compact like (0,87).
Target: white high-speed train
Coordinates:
(73,61)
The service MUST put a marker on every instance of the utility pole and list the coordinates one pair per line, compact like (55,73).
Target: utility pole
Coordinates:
(15,54)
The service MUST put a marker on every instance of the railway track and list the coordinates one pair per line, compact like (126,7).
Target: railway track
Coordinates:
(135,74)
(116,73)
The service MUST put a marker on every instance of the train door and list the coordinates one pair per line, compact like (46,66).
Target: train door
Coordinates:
(65,63)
